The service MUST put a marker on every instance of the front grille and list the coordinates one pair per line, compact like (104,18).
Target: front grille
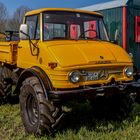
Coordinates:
(101,74)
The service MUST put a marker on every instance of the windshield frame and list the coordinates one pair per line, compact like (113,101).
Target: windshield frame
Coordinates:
(67,37)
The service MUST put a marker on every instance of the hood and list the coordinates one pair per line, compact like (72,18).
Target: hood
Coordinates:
(87,53)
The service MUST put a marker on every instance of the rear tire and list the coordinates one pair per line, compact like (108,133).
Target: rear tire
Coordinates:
(5,83)
(39,115)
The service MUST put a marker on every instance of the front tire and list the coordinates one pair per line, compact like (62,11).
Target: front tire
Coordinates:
(39,115)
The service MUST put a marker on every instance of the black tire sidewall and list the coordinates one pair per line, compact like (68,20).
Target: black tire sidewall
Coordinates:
(5,86)
(49,115)
(26,91)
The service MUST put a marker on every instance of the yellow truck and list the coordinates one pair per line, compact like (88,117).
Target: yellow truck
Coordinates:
(60,54)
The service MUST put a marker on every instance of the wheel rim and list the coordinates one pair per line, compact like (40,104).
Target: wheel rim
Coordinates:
(32,109)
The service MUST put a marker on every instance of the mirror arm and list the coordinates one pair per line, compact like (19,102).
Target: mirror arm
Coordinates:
(31,43)
(25,34)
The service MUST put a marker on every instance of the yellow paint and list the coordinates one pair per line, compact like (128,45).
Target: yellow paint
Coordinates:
(75,55)
(8,52)
(69,55)
(38,11)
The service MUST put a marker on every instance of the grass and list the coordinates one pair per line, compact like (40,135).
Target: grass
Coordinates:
(80,124)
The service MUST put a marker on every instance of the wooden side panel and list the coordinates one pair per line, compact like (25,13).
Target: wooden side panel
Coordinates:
(8,52)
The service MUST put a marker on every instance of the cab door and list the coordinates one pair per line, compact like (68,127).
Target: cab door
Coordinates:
(27,53)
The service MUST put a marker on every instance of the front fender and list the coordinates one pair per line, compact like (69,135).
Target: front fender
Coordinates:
(40,74)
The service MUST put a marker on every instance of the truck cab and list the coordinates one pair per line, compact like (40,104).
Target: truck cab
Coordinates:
(73,48)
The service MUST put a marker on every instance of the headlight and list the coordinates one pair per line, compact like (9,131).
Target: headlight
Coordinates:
(74,76)
(128,71)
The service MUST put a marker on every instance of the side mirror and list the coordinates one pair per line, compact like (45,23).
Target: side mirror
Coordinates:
(23,31)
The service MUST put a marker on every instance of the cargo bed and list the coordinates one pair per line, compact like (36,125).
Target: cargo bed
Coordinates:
(8,52)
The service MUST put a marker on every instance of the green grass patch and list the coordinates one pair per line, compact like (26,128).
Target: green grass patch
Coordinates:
(79,124)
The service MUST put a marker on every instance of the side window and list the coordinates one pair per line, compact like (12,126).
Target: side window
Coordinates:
(54,30)
(34,26)
(102,30)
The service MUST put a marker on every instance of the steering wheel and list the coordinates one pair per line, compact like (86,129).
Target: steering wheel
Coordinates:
(82,34)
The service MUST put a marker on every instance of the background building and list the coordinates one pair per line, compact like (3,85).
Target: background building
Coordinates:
(122,18)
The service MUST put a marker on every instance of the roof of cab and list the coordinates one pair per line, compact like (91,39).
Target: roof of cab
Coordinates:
(60,9)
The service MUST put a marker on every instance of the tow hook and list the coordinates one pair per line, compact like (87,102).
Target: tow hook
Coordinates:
(122,87)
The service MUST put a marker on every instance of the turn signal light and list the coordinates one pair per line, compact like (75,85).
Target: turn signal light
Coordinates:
(52,65)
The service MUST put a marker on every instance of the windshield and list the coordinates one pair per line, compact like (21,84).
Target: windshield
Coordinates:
(71,25)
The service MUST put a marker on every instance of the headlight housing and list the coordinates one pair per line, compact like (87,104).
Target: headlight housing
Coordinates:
(128,71)
(74,76)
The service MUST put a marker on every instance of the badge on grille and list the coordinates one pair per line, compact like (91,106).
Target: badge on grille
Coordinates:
(103,74)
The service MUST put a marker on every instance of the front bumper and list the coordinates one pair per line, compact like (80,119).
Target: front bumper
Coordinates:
(94,91)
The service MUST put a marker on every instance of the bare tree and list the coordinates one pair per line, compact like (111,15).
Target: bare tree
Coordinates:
(17,18)
(3,17)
